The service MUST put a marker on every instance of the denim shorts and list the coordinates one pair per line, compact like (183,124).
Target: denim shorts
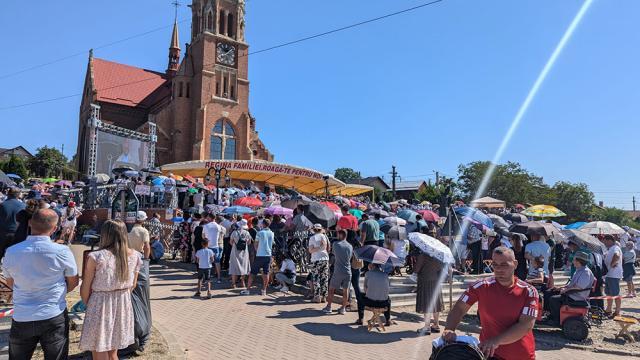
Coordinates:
(261,263)
(611,286)
(217,254)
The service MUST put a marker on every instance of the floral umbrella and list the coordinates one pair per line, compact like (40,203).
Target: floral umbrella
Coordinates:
(432,247)
(377,255)
(278,210)
(602,228)
(543,211)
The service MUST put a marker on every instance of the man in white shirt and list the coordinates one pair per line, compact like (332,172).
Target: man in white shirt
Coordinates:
(536,248)
(211,231)
(613,261)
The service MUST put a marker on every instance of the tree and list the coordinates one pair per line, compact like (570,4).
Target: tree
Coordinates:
(48,162)
(346,174)
(614,215)
(510,182)
(575,200)
(15,165)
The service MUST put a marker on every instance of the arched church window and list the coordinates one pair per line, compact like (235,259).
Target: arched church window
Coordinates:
(210,21)
(230,25)
(223,141)
(222,21)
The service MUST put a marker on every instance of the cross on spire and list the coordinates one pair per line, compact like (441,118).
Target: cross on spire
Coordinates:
(176,4)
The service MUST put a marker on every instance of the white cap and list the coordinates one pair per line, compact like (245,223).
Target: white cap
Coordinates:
(141,216)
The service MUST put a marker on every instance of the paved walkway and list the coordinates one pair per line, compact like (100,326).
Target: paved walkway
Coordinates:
(280,327)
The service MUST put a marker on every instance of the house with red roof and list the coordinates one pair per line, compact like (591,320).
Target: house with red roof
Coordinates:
(200,103)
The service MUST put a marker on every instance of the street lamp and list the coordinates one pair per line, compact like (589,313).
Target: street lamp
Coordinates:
(218,169)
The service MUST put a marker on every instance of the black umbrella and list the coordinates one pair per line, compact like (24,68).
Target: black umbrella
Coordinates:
(295,201)
(152,171)
(533,228)
(320,214)
(120,170)
(516,218)
(585,240)
(386,227)
(5,179)
(498,222)
(380,212)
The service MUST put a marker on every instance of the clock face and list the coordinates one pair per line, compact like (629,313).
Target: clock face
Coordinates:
(226,54)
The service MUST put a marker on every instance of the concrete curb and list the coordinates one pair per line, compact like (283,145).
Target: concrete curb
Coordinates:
(175,350)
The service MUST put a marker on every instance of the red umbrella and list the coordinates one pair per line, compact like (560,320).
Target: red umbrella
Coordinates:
(333,206)
(429,215)
(190,178)
(248,202)
(519,206)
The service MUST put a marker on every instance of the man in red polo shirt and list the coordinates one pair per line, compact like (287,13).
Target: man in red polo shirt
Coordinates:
(507,307)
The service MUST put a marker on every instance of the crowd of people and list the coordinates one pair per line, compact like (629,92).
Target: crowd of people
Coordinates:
(231,248)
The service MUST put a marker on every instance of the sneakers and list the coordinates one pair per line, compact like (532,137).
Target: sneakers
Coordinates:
(358,322)
(264,293)
(244,292)
(327,310)
(342,311)
(209,295)
(284,289)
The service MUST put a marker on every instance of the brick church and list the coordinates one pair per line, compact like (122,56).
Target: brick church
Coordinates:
(200,103)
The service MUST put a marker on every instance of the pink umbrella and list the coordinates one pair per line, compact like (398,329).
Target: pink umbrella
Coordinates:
(279,210)
(429,215)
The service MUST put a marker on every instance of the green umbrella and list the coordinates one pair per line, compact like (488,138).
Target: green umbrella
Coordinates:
(193,190)
(356,212)
(49,180)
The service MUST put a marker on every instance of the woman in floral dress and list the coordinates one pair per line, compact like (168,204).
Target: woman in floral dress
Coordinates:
(110,275)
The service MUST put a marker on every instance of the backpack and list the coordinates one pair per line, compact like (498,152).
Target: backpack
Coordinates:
(243,239)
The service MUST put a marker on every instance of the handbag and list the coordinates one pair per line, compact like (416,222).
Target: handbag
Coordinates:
(356,263)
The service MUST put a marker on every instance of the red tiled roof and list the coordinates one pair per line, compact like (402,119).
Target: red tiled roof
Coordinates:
(124,84)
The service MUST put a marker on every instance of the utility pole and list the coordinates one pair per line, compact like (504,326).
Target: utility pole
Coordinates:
(634,203)
(394,174)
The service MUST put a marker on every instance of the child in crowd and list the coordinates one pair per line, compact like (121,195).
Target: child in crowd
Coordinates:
(536,272)
(287,274)
(628,270)
(205,259)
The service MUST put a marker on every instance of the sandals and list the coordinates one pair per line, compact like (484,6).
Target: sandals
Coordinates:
(425,331)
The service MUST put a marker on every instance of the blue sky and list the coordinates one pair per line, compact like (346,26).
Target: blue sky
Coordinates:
(425,91)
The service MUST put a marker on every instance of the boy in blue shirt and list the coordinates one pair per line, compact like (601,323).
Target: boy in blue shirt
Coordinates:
(205,258)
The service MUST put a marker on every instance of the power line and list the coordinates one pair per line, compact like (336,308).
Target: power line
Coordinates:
(251,53)
(84,52)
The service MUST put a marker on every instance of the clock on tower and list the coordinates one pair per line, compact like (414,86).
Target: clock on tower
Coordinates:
(226,54)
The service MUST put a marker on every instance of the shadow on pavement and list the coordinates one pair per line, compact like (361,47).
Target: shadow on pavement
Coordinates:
(351,334)
(297,314)
(278,301)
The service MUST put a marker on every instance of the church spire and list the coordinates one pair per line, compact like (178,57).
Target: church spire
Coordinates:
(174,48)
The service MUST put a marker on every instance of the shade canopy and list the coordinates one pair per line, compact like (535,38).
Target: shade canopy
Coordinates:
(301,179)
(488,202)
(347,190)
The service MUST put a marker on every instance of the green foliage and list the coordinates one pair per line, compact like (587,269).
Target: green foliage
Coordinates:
(15,165)
(576,200)
(614,215)
(48,162)
(510,183)
(346,174)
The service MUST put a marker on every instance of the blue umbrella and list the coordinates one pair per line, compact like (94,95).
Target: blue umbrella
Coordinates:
(237,210)
(14,176)
(575,225)
(157,181)
(476,215)
(408,215)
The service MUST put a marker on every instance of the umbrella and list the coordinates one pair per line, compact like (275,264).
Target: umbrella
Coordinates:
(131,173)
(408,215)
(543,211)
(191,190)
(429,215)
(295,201)
(476,215)
(432,247)
(157,181)
(6,179)
(121,169)
(237,210)
(248,202)
(14,176)
(585,240)
(333,206)
(278,210)
(152,171)
(519,206)
(575,225)
(515,218)
(356,212)
(49,180)
(377,255)
(396,233)
(320,214)
(102,178)
(393,220)
(498,221)
(190,178)
(602,228)
(176,177)
(533,228)
(64,183)
(380,212)
(79,184)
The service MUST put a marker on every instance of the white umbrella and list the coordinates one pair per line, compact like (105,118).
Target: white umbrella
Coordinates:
(602,228)
(432,247)
(395,221)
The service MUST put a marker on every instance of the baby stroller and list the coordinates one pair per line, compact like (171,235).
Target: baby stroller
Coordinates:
(465,348)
